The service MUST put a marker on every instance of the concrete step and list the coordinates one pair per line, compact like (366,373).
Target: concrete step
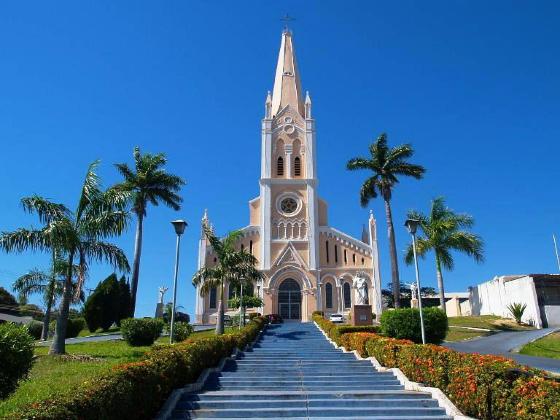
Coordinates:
(272,387)
(286,395)
(342,413)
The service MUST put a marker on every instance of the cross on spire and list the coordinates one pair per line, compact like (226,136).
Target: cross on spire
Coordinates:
(287,19)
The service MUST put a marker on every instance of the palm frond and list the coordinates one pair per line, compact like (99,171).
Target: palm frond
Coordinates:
(107,253)
(91,189)
(25,239)
(35,281)
(45,209)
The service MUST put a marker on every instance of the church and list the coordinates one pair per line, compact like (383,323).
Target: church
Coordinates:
(308,264)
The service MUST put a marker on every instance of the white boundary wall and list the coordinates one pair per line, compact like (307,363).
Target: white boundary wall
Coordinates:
(494,296)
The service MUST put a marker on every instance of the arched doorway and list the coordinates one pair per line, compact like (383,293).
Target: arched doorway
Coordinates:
(289,299)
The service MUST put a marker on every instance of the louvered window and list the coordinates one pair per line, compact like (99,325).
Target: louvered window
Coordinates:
(297,166)
(280,167)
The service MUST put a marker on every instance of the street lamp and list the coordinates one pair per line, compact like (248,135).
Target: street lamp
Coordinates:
(412,226)
(179,226)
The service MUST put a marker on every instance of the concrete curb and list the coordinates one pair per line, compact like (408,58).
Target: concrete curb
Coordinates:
(436,393)
(165,411)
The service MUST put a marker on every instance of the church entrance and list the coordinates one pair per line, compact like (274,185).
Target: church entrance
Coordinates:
(289,299)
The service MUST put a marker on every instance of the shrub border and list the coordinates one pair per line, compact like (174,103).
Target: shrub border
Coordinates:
(167,409)
(436,393)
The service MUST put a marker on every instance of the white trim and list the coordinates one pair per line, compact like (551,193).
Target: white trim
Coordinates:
(337,234)
(282,197)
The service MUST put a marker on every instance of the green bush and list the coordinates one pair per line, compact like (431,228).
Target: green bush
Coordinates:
(137,390)
(141,332)
(16,356)
(73,327)
(253,315)
(338,331)
(405,324)
(319,313)
(35,328)
(181,331)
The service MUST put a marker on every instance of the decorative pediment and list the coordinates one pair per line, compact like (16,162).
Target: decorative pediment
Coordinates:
(288,118)
(290,256)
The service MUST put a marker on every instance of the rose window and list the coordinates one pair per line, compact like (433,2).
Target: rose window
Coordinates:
(288,205)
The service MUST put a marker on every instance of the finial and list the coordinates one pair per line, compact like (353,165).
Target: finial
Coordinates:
(371,214)
(307,105)
(205,216)
(286,19)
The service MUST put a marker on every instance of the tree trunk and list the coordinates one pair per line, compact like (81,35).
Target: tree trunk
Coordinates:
(136,263)
(220,320)
(47,318)
(58,345)
(440,285)
(393,254)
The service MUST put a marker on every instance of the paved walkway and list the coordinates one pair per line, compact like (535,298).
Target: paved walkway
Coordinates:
(505,343)
(109,337)
(294,372)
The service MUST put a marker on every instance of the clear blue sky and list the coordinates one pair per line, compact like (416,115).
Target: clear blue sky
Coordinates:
(473,85)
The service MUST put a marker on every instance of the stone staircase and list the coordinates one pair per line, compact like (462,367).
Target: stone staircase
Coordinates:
(293,371)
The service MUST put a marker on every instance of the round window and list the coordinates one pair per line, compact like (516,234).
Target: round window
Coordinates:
(288,205)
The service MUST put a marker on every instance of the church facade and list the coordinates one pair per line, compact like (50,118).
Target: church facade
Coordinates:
(308,264)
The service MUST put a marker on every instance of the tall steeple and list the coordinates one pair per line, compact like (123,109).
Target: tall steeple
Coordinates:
(287,84)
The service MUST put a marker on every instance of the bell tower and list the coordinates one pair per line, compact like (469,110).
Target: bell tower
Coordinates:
(289,203)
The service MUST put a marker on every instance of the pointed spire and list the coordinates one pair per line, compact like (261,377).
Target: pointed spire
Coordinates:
(307,105)
(365,234)
(287,84)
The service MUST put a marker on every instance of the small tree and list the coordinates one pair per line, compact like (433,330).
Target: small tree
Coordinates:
(517,310)
(125,301)
(102,308)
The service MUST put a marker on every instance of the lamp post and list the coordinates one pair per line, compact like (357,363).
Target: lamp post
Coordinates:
(241,316)
(179,226)
(412,225)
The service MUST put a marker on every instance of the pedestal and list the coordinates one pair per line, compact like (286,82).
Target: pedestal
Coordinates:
(414,303)
(361,315)
(159,310)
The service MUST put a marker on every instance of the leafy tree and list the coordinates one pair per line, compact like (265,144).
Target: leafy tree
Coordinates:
(124,300)
(147,183)
(441,232)
(79,235)
(103,306)
(387,165)
(248,302)
(232,266)
(7,300)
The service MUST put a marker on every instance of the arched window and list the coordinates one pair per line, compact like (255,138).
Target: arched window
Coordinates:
(251,247)
(363,261)
(297,166)
(345,257)
(328,295)
(354,258)
(213,298)
(242,247)
(335,253)
(280,166)
(347,298)
(327,249)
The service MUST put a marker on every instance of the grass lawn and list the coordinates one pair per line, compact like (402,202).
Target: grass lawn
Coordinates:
(85,332)
(55,375)
(548,346)
(459,326)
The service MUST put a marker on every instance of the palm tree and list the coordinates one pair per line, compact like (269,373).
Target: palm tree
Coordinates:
(79,235)
(387,164)
(50,285)
(147,183)
(232,266)
(442,234)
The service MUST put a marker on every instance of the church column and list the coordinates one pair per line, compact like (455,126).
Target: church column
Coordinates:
(376,279)
(319,291)
(199,300)
(265,194)
(288,150)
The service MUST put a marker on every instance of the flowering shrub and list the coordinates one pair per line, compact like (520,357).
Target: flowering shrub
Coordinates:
(181,331)
(137,390)
(485,387)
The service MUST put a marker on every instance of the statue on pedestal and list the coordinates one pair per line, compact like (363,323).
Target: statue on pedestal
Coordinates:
(361,286)
(414,295)
(159,307)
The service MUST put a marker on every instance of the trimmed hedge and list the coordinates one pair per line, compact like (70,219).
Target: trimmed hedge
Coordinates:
(35,329)
(405,324)
(139,389)
(141,331)
(335,332)
(16,356)
(485,387)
